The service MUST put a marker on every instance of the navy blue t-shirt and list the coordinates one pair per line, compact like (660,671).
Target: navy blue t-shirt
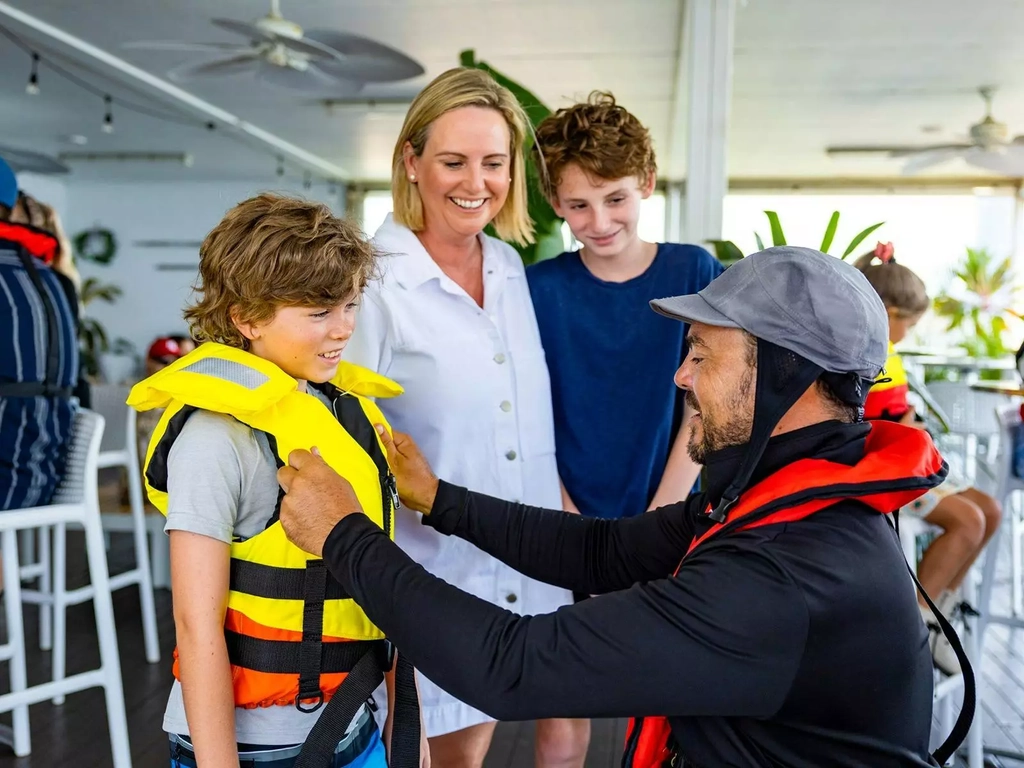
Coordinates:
(612,359)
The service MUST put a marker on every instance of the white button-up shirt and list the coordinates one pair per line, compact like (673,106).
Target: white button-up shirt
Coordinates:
(477,401)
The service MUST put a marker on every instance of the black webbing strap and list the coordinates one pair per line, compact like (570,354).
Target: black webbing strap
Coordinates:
(311,648)
(272,441)
(963,721)
(276,583)
(33,389)
(281,657)
(350,414)
(322,741)
(405,731)
(52,328)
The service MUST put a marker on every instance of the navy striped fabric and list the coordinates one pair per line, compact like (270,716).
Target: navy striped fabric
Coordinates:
(33,430)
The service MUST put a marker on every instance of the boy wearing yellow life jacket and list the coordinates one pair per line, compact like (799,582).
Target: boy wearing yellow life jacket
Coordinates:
(274,663)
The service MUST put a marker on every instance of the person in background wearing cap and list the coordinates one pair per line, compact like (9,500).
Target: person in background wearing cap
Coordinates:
(38,357)
(767,621)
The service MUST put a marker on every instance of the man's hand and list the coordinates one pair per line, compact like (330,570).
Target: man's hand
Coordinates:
(316,499)
(417,484)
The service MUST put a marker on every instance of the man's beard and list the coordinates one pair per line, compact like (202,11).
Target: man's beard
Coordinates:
(734,430)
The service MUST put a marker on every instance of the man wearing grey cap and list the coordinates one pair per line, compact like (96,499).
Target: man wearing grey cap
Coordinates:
(767,621)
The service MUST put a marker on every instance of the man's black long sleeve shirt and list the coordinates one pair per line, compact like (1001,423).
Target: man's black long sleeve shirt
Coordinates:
(793,644)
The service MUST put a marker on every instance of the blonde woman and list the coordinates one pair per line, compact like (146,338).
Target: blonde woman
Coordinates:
(452,322)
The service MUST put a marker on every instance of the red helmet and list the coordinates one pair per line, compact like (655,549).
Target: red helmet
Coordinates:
(164,349)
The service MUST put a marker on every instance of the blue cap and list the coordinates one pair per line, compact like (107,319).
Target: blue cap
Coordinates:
(8,185)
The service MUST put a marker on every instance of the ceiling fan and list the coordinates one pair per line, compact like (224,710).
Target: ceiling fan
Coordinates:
(987,146)
(281,53)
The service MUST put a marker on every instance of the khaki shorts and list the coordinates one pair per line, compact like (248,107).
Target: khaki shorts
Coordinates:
(923,505)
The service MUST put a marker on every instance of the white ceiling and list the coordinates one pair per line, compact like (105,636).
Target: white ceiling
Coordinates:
(808,73)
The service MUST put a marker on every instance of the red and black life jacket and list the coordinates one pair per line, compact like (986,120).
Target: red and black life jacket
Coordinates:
(899,464)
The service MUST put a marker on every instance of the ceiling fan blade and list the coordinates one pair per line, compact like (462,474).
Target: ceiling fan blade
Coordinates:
(308,80)
(244,28)
(911,152)
(929,159)
(219,67)
(184,45)
(895,150)
(1008,161)
(363,58)
(301,45)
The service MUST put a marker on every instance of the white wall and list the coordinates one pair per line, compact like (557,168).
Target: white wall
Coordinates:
(51,190)
(153,299)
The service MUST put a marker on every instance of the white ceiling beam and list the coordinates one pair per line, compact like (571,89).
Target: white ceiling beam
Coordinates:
(279,145)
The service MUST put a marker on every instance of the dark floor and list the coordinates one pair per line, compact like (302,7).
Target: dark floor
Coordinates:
(75,734)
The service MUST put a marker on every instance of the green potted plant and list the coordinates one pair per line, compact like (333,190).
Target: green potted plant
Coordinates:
(99,358)
(546,223)
(729,253)
(92,336)
(979,305)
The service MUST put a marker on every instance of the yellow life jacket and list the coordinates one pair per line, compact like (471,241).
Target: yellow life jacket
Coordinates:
(281,651)
(887,398)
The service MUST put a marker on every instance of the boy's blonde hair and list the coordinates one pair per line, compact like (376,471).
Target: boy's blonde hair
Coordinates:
(272,251)
(897,286)
(602,138)
(455,89)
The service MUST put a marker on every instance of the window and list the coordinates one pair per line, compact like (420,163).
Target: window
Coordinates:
(930,232)
(376,207)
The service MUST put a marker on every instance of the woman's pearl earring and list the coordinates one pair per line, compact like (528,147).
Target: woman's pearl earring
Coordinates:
(412,178)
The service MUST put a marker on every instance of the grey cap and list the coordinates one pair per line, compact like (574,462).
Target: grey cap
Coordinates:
(803,300)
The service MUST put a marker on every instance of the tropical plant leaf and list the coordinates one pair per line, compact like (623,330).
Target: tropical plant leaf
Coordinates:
(861,236)
(93,290)
(830,232)
(759,241)
(778,238)
(726,251)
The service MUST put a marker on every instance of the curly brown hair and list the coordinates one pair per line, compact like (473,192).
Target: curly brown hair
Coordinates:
(273,251)
(602,138)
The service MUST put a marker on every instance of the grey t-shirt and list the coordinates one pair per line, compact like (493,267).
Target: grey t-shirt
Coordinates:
(221,483)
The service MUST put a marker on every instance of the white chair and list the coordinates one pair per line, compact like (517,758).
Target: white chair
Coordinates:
(1007,485)
(913,533)
(972,424)
(118,448)
(76,501)
(121,449)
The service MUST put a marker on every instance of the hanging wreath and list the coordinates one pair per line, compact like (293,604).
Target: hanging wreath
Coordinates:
(96,245)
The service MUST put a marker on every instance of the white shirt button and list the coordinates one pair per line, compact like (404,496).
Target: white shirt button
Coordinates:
(511,455)
(506,406)
(499,358)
